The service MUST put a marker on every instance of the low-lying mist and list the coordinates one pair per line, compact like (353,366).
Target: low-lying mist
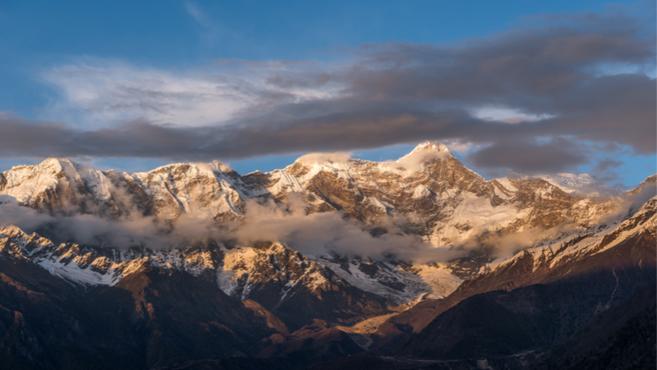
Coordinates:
(315,234)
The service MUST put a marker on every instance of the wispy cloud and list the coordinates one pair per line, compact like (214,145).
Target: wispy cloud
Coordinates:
(100,92)
(197,14)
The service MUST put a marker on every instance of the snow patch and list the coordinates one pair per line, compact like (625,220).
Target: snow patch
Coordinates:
(571,182)
(72,272)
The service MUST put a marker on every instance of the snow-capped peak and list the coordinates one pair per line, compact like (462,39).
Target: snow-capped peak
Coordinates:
(57,164)
(27,182)
(423,153)
(430,146)
(428,150)
(49,166)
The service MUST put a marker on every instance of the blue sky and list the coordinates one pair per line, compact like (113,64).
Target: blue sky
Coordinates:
(179,34)
(41,41)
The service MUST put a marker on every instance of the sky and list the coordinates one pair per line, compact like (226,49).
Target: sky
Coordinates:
(512,87)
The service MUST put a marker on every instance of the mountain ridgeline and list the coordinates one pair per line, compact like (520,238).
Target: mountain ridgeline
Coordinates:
(330,262)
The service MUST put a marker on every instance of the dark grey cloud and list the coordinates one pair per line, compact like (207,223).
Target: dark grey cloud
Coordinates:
(607,164)
(527,67)
(359,128)
(607,171)
(572,72)
(528,157)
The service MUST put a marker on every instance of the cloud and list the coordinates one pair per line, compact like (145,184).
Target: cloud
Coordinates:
(545,78)
(531,157)
(317,234)
(100,92)
(507,115)
(110,92)
(605,170)
(327,233)
(84,228)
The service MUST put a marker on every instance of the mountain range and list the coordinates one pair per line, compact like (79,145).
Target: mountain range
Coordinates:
(417,263)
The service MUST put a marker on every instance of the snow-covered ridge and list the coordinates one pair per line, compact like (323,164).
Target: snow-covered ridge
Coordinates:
(96,265)
(441,200)
(240,271)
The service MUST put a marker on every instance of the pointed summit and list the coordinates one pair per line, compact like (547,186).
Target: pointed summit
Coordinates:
(431,146)
(425,152)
